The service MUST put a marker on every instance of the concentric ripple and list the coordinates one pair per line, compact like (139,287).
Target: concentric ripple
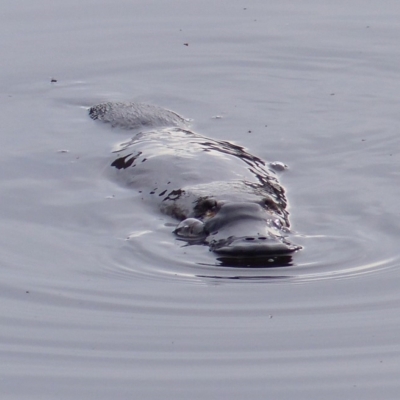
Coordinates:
(158,255)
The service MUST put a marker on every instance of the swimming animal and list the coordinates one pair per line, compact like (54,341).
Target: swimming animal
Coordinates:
(223,196)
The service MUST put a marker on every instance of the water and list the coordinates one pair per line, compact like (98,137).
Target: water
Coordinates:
(97,298)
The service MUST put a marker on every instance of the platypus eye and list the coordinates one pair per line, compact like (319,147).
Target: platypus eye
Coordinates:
(204,206)
(209,204)
(270,203)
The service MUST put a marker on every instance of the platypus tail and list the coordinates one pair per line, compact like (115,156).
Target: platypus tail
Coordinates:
(136,115)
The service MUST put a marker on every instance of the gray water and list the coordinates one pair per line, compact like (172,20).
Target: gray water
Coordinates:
(99,301)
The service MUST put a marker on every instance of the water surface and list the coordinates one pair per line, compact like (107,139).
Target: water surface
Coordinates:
(99,301)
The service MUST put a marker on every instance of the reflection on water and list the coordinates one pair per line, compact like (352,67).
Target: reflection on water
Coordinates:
(256,262)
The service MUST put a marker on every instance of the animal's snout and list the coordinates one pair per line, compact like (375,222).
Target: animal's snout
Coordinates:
(252,246)
(247,229)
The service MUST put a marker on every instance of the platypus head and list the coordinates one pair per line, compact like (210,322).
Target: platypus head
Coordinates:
(238,229)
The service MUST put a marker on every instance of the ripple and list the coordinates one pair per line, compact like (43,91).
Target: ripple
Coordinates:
(158,256)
